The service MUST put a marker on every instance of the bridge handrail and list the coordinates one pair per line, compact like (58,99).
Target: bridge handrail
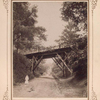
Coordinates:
(48,48)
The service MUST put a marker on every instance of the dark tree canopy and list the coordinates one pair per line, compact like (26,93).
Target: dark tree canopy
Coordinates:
(25,34)
(22,14)
(76,11)
(74,14)
(24,30)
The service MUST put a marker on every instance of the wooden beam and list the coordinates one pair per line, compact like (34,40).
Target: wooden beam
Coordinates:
(32,64)
(37,63)
(35,59)
(63,71)
(65,57)
(69,61)
(61,63)
(64,63)
(57,63)
(65,53)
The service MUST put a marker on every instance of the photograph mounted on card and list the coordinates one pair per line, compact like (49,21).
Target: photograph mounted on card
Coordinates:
(50,50)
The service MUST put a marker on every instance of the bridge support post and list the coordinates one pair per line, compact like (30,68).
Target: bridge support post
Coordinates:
(57,63)
(63,71)
(64,63)
(60,65)
(37,62)
(32,66)
(33,63)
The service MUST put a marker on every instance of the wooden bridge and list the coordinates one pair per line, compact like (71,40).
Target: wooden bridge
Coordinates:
(59,56)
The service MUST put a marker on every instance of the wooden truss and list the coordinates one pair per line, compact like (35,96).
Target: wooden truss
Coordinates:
(58,64)
(64,63)
(61,62)
(35,63)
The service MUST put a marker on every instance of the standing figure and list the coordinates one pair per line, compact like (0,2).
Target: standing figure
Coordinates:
(26,79)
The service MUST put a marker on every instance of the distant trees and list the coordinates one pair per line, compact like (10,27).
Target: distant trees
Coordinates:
(24,30)
(75,35)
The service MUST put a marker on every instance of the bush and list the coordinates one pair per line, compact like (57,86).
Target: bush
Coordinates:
(21,68)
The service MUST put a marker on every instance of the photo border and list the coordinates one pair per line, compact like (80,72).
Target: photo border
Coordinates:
(93,4)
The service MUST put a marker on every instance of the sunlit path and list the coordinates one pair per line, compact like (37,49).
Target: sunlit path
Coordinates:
(48,87)
(38,87)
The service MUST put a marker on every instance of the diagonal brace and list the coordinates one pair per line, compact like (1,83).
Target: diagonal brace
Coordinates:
(37,63)
(57,63)
(64,63)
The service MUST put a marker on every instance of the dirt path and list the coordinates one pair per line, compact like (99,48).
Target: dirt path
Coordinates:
(46,87)
(38,87)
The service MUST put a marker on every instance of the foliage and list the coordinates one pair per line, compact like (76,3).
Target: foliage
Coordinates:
(21,68)
(22,14)
(76,11)
(24,30)
(59,73)
(77,58)
(26,37)
(41,69)
(68,35)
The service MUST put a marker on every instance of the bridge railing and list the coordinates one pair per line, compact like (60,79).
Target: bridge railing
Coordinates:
(43,49)
(50,48)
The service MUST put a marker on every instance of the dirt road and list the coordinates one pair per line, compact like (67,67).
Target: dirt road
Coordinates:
(46,87)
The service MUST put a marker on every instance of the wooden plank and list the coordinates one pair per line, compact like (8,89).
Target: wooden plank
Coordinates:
(35,59)
(63,71)
(49,54)
(57,63)
(64,63)
(66,53)
(32,64)
(65,57)
(37,63)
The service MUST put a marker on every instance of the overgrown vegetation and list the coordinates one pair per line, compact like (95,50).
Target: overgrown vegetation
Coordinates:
(26,37)
(75,36)
(21,68)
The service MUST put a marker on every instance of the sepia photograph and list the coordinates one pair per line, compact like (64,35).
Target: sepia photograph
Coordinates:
(50,49)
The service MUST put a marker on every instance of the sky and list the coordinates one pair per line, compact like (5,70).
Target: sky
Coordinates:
(49,17)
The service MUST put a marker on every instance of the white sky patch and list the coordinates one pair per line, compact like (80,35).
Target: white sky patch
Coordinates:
(49,17)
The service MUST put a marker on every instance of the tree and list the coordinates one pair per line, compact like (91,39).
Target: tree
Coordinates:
(24,30)
(76,11)
(77,58)
(69,35)
(21,68)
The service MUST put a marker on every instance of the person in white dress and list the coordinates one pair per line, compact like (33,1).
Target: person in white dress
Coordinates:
(26,79)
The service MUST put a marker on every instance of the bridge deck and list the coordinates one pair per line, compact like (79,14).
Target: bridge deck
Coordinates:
(49,53)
